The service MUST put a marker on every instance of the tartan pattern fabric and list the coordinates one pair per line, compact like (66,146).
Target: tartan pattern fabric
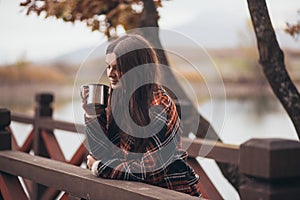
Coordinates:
(163,164)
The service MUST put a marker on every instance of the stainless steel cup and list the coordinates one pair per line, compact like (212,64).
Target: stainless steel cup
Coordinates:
(98,95)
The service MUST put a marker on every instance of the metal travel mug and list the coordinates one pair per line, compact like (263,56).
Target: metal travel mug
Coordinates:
(98,95)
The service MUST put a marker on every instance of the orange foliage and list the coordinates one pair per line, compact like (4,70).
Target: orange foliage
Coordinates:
(102,15)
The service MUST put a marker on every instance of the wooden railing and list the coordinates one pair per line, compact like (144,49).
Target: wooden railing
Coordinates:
(271,164)
(76,181)
(43,142)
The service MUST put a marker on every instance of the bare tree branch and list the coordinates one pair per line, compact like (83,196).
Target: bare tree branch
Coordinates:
(271,58)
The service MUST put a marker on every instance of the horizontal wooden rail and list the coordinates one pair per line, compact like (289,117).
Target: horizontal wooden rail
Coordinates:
(79,182)
(49,123)
(17,117)
(218,151)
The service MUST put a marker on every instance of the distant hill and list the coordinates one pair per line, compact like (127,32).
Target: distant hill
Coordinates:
(192,62)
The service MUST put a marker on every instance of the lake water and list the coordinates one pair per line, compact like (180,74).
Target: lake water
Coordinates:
(244,119)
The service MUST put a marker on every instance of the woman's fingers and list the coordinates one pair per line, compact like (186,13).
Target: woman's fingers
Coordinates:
(90,110)
(89,161)
(85,96)
(84,92)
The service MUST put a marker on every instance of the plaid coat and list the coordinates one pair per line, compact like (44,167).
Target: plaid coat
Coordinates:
(163,164)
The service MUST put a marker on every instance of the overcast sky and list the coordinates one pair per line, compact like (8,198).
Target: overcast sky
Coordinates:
(213,23)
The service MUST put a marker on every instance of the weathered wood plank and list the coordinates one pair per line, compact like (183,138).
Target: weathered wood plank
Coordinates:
(11,187)
(218,151)
(78,181)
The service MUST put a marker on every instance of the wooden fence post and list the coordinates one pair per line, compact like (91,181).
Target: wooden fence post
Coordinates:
(5,137)
(43,109)
(272,169)
(10,186)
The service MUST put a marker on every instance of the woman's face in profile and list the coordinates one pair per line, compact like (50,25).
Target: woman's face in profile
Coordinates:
(112,72)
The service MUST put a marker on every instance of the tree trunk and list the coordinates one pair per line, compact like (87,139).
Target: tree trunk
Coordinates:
(271,58)
(149,18)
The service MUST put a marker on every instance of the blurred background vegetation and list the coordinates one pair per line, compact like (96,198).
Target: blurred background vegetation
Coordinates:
(238,66)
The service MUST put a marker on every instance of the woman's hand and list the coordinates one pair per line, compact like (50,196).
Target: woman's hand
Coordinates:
(90,161)
(84,93)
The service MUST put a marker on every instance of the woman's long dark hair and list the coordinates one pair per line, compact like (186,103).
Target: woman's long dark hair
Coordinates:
(133,51)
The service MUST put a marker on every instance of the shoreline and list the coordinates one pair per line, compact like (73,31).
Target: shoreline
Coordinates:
(21,97)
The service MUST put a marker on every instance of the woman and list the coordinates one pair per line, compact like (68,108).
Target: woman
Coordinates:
(137,137)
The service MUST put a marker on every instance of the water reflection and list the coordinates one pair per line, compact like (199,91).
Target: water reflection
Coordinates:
(248,118)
